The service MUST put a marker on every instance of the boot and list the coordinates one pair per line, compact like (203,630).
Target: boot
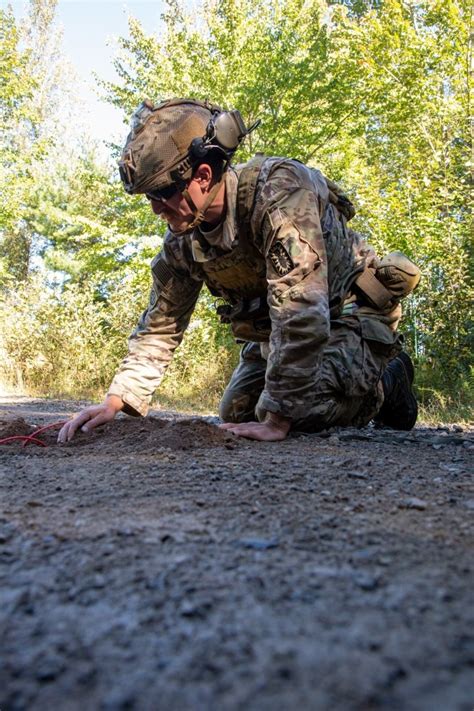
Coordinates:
(400,409)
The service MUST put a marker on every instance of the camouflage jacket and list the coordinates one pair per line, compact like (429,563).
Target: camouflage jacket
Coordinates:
(284,277)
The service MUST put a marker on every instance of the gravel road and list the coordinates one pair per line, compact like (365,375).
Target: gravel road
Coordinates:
(161,564)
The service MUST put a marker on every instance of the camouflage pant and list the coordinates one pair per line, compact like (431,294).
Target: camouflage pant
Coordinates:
(348,391)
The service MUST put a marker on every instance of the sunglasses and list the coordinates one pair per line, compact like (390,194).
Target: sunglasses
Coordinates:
(161,194)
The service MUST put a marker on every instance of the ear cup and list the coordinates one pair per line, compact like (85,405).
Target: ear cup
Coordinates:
(198,149)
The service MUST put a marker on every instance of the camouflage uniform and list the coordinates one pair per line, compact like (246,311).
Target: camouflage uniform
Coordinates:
(314,351)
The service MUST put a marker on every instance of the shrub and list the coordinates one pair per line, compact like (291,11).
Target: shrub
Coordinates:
(69,343)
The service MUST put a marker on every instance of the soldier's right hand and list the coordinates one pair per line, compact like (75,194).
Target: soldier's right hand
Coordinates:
(91,417)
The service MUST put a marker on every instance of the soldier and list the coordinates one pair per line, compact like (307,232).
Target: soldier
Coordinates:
(314,307)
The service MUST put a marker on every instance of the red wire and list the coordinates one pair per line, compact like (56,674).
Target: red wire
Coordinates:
(48,427)
(26,439)
(43,429)
(32,437)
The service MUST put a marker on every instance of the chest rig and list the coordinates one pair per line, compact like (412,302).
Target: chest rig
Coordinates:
(239,276)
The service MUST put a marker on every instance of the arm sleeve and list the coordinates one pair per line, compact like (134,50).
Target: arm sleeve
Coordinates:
(159,331)
(298,300)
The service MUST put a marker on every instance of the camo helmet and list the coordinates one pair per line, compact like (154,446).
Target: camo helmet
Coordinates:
(168,140)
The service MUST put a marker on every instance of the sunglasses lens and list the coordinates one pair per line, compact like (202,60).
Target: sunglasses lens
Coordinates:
(162,193)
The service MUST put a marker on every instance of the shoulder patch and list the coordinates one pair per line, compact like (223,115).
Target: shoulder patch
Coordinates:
(153,298)
(161,271)
(280,259)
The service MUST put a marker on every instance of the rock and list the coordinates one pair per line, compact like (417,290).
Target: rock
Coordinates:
(6,532)
(195,609)
(366,582)
(118,700)
(99,581)
(357,475)
(258,544)
(49,668)
(413,503)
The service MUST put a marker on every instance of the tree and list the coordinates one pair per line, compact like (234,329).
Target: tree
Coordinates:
(36,97)
(375,93)
(17,86)
(410,165)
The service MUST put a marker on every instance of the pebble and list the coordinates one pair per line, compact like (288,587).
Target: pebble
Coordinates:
(258,544)
(49,668)
(118,700)
(413,503)
(366,582)
(357,475)
(192,609)
(99,581)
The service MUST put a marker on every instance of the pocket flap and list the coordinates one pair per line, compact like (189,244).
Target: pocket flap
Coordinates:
(374,330)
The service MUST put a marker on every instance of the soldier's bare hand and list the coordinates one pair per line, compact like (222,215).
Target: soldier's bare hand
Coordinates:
(91,417)
(273,429)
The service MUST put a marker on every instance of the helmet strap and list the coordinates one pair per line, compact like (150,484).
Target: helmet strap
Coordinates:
(199,214)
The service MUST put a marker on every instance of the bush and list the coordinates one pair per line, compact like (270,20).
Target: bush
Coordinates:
(70,343)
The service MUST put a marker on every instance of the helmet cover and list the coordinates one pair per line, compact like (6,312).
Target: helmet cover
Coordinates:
(157,151)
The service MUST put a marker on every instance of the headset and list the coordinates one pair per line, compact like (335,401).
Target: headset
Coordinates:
(225,131)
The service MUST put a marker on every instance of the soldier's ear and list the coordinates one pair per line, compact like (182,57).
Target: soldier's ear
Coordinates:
(203,176)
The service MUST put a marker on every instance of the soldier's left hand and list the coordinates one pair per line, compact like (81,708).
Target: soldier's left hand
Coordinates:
(273,429)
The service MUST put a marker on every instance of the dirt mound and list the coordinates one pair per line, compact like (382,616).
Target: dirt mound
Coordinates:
(152,433)
(15,427)
(128,435)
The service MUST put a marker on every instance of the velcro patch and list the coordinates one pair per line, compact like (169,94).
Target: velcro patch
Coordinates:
(161,271)
(281,260)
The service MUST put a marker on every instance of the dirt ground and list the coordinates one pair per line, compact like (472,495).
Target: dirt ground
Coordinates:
(162,564)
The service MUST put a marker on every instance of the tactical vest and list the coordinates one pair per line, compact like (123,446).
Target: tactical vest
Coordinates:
(239,276)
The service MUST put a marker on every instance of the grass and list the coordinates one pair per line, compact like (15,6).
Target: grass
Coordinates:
(201,389)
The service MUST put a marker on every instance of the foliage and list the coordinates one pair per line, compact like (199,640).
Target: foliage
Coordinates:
(30,94)
(377,94)
(66,342)
(203,364)
(412,166)
(16,89)
(87,228)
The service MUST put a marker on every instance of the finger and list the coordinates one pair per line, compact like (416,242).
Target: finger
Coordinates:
(231,425)
(243,431)
(99,419)
(67,432)
(64,432)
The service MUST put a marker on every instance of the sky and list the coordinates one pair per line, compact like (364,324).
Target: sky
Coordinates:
(90,31)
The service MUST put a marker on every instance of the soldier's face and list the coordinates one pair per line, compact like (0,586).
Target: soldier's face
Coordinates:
(176,210)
